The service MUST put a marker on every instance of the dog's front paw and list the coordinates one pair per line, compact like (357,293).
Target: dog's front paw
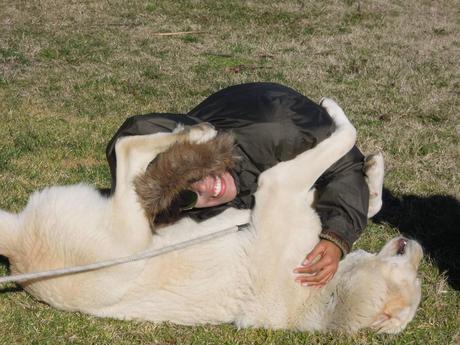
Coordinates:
(330,105)
(335,111)
(201,133)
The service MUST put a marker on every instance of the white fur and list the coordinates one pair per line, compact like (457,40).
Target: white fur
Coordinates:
(245,278)
(374,173)
(198,134)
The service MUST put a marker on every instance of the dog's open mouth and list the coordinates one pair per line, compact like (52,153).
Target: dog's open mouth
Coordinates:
(401,246)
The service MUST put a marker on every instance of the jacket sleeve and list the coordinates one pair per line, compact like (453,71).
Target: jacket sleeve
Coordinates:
(343,200)
(142,125)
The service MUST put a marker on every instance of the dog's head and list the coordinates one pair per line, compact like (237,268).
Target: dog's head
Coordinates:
(398,262)
(379,291)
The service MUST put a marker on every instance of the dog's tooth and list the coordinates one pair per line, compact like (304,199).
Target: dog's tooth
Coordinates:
(217,186)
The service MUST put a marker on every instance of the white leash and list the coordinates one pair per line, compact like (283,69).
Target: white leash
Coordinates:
(113,262)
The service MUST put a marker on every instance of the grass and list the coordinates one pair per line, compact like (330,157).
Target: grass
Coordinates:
(71,72)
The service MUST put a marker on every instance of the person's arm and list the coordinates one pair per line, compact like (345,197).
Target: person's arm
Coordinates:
(343,200)
(342,205)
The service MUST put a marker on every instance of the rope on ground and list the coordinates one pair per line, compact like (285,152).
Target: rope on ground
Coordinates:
(118,261)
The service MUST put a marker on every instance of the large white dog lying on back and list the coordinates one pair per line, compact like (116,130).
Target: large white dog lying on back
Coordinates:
(245,277)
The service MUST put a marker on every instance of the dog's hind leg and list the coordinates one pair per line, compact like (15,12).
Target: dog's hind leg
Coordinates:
(283,189)
(8,232)
(286,226)
(282,196)
(374,173)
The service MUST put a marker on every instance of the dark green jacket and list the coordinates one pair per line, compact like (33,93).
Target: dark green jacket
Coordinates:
(271,123)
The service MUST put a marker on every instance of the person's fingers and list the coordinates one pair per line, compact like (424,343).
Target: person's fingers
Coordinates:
(313,280)
(318,278)
(319,266)
(329,278)
(318,250)
(320,283)
(314,268)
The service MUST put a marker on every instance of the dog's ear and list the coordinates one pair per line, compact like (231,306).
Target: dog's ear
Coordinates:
(379,320)
(394,316)
(8,232)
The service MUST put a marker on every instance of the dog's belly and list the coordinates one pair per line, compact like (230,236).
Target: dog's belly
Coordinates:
(72,225)
(203,283)
(64,227)
(244,277)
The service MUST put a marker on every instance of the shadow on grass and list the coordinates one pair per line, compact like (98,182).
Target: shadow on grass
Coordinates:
(433,221)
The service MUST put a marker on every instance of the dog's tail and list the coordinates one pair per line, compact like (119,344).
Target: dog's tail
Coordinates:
(8,232)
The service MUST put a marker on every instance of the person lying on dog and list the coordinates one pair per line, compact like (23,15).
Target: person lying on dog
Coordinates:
(271,123)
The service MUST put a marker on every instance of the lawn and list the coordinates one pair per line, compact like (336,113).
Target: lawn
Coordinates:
(72,71)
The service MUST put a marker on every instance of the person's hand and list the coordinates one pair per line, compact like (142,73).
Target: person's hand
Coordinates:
(317,272)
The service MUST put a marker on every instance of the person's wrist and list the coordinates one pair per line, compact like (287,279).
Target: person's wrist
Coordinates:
(333,238)
(333,248)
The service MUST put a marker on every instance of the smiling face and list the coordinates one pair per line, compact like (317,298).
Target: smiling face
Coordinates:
(214,190)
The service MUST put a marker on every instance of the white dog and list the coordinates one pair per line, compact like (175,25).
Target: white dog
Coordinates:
(245,278)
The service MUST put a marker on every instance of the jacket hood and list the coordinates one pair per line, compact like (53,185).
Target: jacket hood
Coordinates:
(175,169)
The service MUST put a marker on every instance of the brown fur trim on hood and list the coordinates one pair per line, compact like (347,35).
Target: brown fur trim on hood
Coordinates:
(175,169)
